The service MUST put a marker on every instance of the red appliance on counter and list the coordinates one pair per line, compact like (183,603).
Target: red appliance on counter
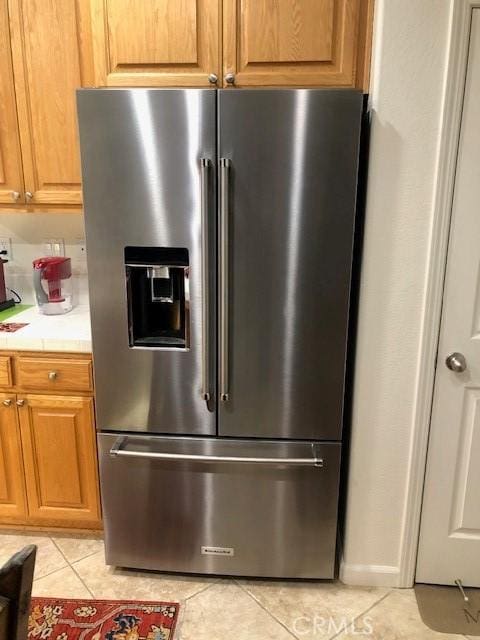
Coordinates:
(56,272)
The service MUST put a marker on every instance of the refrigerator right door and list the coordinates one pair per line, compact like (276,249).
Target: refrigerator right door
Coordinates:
(288,162)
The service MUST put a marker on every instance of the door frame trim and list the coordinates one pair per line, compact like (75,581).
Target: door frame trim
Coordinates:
(454,87)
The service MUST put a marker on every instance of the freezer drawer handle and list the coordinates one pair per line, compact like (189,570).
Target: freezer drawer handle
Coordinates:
(224,276)
(118,450)
(204,171)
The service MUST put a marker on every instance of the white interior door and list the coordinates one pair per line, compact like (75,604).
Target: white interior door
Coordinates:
(450,529)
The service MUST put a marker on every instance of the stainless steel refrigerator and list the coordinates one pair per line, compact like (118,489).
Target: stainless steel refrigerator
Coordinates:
(219,231)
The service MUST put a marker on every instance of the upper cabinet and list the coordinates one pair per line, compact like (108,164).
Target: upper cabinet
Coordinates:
(52,57)
(156,42)
(292,42)
(11,177)
(50,48)
(255,43)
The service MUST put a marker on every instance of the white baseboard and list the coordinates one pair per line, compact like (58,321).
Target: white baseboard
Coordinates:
(370,575)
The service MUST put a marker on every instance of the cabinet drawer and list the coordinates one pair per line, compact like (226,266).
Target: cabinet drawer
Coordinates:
(54,374)
(6,371)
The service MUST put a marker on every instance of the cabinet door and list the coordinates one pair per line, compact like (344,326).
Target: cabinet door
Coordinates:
(11,178)
(291,42)
(52,57)
(58,437)
(156,42)
(12,486)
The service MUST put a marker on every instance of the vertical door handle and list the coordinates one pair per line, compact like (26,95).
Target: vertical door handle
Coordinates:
(204,175)
(224,263)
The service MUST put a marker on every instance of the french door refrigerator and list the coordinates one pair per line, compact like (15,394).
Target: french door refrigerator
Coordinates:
(219,230)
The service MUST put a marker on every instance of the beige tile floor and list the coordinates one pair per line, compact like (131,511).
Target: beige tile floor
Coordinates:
(224,608)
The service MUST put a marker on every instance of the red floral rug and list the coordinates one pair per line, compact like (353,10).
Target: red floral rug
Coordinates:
(58,619)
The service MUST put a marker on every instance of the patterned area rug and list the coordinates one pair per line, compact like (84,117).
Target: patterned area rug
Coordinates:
(58,619)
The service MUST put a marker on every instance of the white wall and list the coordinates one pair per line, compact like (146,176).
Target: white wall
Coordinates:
(27,233)
(409,65)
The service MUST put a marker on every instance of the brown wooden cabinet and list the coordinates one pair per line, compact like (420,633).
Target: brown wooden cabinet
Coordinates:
(11,176)
(49,48)
(60,460)
(46,54)
(48,458)
(293,42)
(253,42)
(52,58)
(156,42)
(13,504)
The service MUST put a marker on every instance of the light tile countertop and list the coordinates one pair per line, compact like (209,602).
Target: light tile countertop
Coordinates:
(67,332)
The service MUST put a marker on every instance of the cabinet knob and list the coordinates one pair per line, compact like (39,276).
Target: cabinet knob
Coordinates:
(28,195)
(20,402)
(213,78)
(7,402)
(15,195)
(52,375)
(230,78)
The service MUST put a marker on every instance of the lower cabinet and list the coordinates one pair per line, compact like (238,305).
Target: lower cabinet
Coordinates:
(59,456)
(13,503)
(48,456)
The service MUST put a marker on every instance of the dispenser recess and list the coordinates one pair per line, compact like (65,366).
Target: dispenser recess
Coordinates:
(158,297)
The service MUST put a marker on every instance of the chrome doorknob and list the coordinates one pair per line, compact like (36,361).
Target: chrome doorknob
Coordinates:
(213,78)
(456,362)
(230,78)
(52,375)
(20,403)
(28,195)
(7,402)
(15,195)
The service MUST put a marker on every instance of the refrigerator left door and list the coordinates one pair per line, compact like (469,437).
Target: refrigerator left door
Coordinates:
(148,162)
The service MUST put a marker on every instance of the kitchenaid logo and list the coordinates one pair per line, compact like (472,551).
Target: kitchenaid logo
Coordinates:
(218,551)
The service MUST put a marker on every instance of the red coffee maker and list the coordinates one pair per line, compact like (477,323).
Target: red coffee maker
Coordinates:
(52,281)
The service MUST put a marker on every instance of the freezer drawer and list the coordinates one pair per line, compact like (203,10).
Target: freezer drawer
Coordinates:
(204,505)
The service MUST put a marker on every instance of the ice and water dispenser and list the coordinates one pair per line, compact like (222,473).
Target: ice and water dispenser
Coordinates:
(158,297)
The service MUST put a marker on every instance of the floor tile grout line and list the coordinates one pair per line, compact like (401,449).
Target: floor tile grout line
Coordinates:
(202,590)
(82,581)
(89,555)
(364,613)
(60,551)
(72,567)
(50,573)
(94,553)
(247,592)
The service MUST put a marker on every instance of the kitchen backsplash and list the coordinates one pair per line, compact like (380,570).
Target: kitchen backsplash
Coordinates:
(28,234)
